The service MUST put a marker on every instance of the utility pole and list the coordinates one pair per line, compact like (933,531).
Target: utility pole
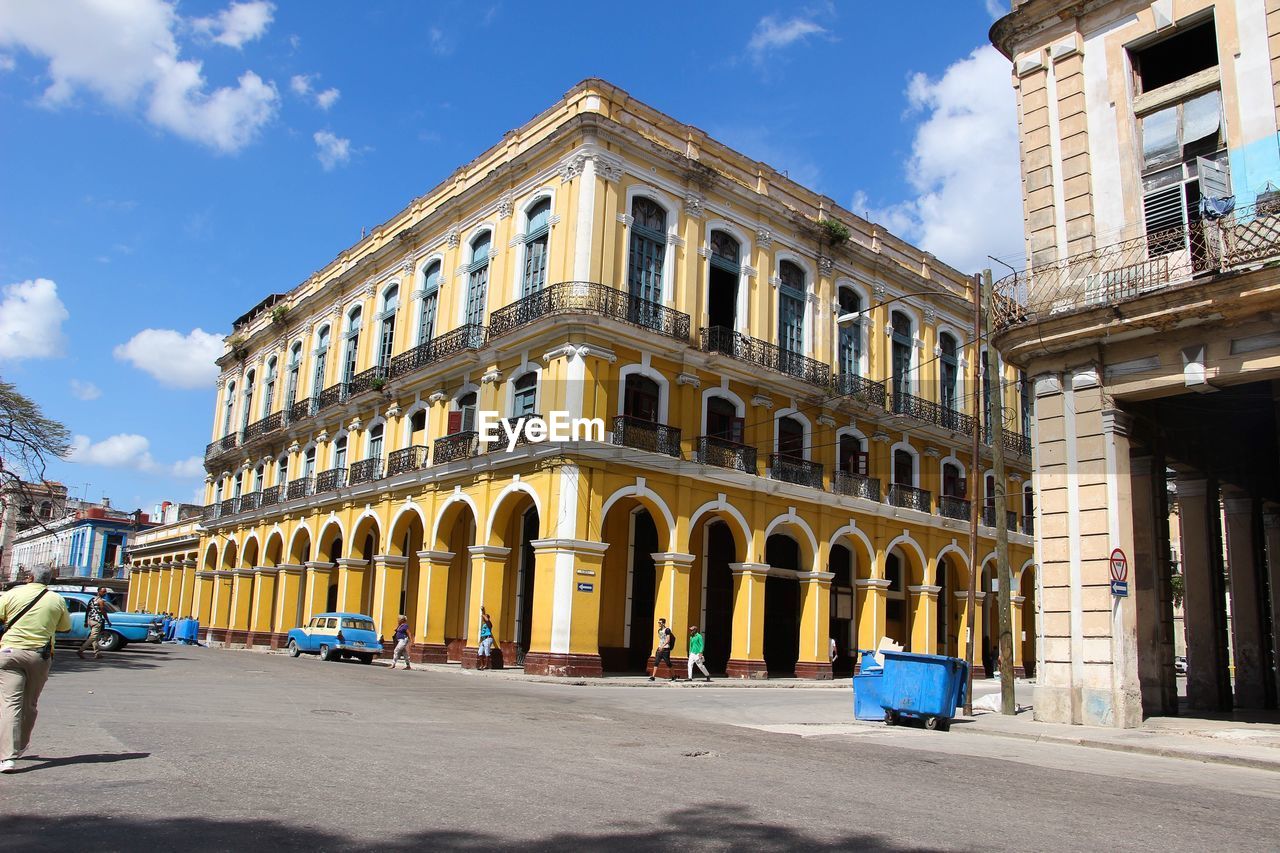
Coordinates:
(1009,705)
(975,477)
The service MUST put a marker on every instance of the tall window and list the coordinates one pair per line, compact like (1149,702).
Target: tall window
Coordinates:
(340,452)
(237,484)
(375,442)
(463,416)
(295,366)
(322,356)
(387,324)
(217,492)
(535,247)
(648,249)
(478,279)
(309,463)
(418,428)
(282,470)
(1024,392)
(430,302)
(352,349)
(722,284)
(901,355)
(247,403)
(852,457)
(229,406)
(953,482)
(722,420)
(904,468)
(640,398)
(258,474)
(850,337)
(525,396)
(790,438)
(950,373)
(269,388)
(791,295)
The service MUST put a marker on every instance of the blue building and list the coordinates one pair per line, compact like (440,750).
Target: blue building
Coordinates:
(88,542)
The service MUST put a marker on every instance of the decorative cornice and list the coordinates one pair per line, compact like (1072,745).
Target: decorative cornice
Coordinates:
(882,437)
(491,377)
(764,237)
(505,206)
(437,397)
(826,265)
(760,400)
(826,420)
(451,237)
(694,205)
(930,317)
(689,379)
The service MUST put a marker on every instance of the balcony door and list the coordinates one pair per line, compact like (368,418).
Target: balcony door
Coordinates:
(791,292)
(949,373)
(904,468)
(953,481)
(901,354)
(790,439)
(640,398)
(463,417)
(723,421)
(535,247)
(722,281)
(478,279)
(852,458)
(850,336)
(352,346)
(648,249)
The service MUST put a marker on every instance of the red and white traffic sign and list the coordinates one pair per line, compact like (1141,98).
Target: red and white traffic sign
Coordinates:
(1119,574)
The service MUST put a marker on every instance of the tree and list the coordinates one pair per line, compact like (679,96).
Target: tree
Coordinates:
(28,441)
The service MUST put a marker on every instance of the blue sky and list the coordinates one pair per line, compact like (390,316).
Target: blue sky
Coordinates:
(166,165)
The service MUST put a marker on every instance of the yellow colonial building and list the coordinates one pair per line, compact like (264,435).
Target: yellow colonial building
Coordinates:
(784,389)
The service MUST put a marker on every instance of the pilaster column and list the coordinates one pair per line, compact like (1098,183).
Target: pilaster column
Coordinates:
(351,574)
(186,597)
(135,579)
(174,596)
(814,660)
(923,600)
(388,583)
(1204,617)
(565,635)
(961,606)
(315,594)
(872,610)
(746,653)
(289,596)
(671,601)
(153,592)
(1246,610)
(1150,586)
(433,599)
(220,617)
(488,590)
(1017,602)
(262,610)
(202,600)
(1271,543)
(241,603)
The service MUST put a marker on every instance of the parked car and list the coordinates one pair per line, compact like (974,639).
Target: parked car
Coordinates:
(334,636)
(1180,665)
(125,627)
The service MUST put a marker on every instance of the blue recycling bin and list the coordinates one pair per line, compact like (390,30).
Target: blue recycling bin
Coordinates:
(866,689)
(929,687)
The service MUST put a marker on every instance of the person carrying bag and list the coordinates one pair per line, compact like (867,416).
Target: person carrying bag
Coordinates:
(31,617)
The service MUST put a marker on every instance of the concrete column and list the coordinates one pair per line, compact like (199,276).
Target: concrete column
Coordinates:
(433,599)
(288,609)
(872,609)
(1016,605)
(1243,572)
(174,598)
(1150,586)
(923,601)
(671,573)
(315,593)
(186,597)
(131,595)
(202,600)
(220,615)
(488,590)
(139,584)
(351,584)
(814,660)
(1203,615)
(262,609)
(241,605)
(388,581)
(1271,542)
(746,654)
(153,592)
(565,636)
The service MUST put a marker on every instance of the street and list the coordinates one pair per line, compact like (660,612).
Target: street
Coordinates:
(199,749)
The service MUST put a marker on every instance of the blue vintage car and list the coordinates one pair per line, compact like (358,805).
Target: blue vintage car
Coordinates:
(334,636)
(125,627)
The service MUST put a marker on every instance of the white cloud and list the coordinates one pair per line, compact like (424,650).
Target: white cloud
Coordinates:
(7,62)
(301,86)
(773,34)
(237,24)
(128,55)
(332,151)
(31,317)
(327,98)
(129,450)
(963,165)
(85,390)
(439,42)
(174,359)
(997,8)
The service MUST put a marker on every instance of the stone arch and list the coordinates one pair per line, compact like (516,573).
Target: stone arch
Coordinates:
(651,501)
(790,524)
(505,506)
(851,533)
(733,517)
(300,545)
(211,556)
(250,552)
(1018,587)
(910,547)
(448,516)
(273,554)
(409,520)
(366,525)
(329,542)
(230,552)
(952,548)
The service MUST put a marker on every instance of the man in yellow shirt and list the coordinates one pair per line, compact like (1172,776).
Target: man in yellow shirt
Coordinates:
(26,653)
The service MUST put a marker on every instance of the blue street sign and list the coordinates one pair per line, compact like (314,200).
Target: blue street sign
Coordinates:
(586,587)
(1120,589)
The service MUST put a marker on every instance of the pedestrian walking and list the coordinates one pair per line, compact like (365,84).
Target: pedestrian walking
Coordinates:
(96,619)
(696,645)
(486,640)
(666,642)
(402,639)
(32,615)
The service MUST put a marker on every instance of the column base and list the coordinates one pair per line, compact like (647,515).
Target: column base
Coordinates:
(428,653)
(565,665)
(502,656)
(236,638)
(813,670)
(1116,708)
(217,636)
(454,649)
(746,669)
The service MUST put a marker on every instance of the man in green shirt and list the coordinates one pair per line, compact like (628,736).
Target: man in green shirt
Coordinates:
(26,653)
(696,644)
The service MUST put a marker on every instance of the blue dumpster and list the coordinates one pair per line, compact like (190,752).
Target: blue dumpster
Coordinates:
(866,689)
(929,687)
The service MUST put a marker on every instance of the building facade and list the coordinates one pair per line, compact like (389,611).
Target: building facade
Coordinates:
(22,507)
(88,541)
(1146,320)
(783,392)
(162,562)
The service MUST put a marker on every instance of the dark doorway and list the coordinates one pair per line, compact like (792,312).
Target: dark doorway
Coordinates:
(524,631)
(644,592)
(841,565)
(781,607)
(718,631)
(895,612)
(722,289)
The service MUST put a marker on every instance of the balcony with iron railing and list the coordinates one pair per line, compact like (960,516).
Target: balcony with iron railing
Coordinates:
(646,435)
(300,488)
(461,339)
(586,297)
(451,448)
(409,459)
(856,486)
(250,502)
(230,506)
(262,427)
(365,471)
(373,379)
(859,388)
(950,506)
(226,444)
(909,497)
(511,427)
(719,339)
(792,469)
(723,453)
(301,409)
(270,496)
(331,396)
(331,480)
(989,518)
(1121,272)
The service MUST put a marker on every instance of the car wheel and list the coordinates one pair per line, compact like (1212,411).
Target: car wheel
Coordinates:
(294,651)
(325,654)
(367,659)
(110,641)
(931,723)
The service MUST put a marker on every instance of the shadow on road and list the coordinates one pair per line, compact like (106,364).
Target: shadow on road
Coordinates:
(34,763)
(66,660)
(723,827)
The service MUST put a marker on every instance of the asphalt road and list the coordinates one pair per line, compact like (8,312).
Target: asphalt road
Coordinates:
(198,749)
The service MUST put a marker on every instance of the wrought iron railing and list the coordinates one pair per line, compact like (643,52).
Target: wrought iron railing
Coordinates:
(365,471)
(331,396)
(250,502)
(372,379)
(856,486)
(212,449)
(588,297)
(1017,443)
(450,448)
(909,497)
(409,459)
(468,337)
(915,407)
(302,409)
(230,506)
(328,481)
(511,426)
(646,435)
(211,511)
(950,506)
(1011,521)
(790,469)
(859,388)
(713,450)
(262,427)
(301,487)
(270,496)
(949,418)
(1118,272)
(989,518)
(723,340)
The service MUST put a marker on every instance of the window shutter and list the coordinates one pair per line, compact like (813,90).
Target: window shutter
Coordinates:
(737,430)
(455,422)
(860,462)
(962,485)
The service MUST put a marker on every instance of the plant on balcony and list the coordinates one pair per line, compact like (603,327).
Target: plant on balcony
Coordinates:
(835,231)
(377,383)
(280,315)
(239,348)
